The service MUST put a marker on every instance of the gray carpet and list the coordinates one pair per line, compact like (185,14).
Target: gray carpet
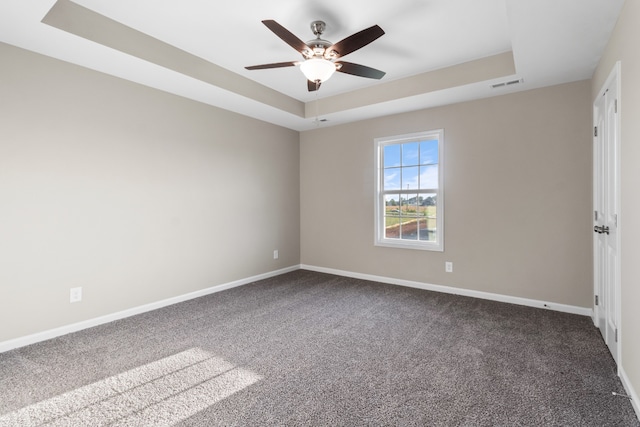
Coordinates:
(307,348)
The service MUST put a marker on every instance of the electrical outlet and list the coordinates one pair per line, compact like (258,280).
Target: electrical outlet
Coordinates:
(275,254)
(75,294)
(448,267)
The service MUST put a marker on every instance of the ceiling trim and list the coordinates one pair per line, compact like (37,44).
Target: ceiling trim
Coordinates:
(82,22)
(480,70)
(198,50)
(72,18)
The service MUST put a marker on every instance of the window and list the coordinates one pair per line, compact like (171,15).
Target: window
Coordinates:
(409,192)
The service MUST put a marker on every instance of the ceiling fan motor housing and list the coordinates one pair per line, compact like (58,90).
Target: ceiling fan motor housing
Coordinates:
(318,46)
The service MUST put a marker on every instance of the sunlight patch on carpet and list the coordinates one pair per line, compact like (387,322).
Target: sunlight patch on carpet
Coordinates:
(163,392)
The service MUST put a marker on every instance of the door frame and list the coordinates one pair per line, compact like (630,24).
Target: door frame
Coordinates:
(615,74)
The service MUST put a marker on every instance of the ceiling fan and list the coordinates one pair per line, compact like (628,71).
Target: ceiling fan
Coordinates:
(320,55)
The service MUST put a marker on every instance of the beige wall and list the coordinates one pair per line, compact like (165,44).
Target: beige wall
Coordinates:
(134,194)
(517,196)
(623,46)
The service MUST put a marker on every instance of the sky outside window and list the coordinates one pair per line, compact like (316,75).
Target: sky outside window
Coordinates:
(411,166)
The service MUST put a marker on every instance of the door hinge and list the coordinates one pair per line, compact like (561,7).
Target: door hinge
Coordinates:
(615,105)
(596,299)
(616,335)
(595,131)
(615,219)
(595,215)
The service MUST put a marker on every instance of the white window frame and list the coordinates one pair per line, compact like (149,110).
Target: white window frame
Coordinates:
(379,197)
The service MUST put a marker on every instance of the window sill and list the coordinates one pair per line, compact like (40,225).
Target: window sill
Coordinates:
(409,244)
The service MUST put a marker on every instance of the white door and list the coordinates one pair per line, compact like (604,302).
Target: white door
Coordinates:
(599,241)
(606,207)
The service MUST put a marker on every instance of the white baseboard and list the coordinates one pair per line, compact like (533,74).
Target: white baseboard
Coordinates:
(584,311)
(635,402)
(63,330)
(74,327)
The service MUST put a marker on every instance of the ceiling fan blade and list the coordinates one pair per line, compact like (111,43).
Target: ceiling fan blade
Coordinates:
(359,70)
(313,86)
(274,65)
(356,41)
(286,35)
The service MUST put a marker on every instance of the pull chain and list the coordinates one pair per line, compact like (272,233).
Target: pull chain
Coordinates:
(317,118)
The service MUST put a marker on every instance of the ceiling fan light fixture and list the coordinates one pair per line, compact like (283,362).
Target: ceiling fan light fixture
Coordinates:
(317,69)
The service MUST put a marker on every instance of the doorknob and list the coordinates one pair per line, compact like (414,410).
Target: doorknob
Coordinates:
(601,229)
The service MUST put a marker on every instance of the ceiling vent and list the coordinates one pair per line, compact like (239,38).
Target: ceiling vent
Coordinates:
(507,83)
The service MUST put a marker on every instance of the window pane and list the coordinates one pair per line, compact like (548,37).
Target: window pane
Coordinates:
(429,211)
(409,229)
(429,202)
(410,178)
(429,176)
(410,206)
(391,179)
(403,203)
(392,227)
(392,216)
(392,231)
(428,230)
(391,155)
(429,152)
(392,204)
(421,209)
(410,154)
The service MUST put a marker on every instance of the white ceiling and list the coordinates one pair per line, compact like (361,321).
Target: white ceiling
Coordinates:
(553,42)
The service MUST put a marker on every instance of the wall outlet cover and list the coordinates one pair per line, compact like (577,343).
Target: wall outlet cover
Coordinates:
(75,294)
